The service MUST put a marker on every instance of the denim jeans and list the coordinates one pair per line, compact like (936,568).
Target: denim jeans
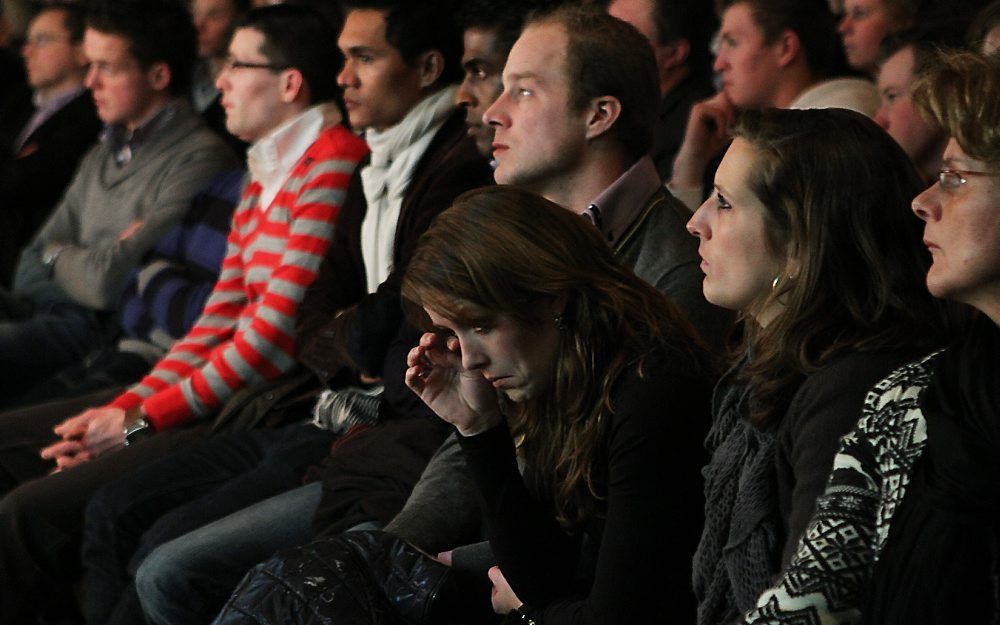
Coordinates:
(188,579)
(52,338)
(127,519)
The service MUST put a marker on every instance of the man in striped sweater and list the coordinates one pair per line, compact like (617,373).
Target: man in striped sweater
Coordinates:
(276,84)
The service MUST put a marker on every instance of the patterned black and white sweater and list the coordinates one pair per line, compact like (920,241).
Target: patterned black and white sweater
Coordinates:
(826,581)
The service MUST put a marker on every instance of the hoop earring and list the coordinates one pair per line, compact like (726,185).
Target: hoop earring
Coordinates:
(560,322)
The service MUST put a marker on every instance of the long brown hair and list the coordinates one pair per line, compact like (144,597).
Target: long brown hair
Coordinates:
(836,191)
(501,250)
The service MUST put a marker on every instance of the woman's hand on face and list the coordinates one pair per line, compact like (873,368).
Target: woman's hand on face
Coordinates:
(460,396)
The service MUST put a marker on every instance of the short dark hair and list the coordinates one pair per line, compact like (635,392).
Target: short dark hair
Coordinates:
(924,44)
(74,17)
(688,20)
(157,31)
(417,26)
(606,56)
(504,17)
(810,20)
(296,36)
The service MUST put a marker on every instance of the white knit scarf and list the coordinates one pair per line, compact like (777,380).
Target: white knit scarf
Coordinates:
(395,154)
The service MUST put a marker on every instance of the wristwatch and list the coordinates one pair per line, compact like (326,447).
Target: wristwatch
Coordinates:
(519,616)
(136,427)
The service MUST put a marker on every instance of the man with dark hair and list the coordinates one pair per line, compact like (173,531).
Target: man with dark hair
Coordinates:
(44,129)
(128,191)
(351,328)
(679,32)
(771,53)
(489,29)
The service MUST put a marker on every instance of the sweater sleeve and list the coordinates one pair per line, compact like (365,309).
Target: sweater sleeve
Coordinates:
(249,341)
(826,580)
(643,562)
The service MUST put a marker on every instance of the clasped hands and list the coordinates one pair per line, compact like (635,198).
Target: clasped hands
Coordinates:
(86,436)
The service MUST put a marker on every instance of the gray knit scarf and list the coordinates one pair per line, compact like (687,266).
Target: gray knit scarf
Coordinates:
(739,549)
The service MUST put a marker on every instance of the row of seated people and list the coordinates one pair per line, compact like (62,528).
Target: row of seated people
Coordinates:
(604,317)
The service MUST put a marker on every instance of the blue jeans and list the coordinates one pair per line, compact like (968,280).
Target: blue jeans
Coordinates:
(128,518)
(188,579)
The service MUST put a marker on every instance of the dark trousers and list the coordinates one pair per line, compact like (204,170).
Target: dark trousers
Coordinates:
(41,520)
(51,338)
(129,517)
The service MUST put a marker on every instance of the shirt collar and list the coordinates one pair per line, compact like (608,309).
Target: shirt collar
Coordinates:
(273,156)
(618,205)
(57,100)
(124,143)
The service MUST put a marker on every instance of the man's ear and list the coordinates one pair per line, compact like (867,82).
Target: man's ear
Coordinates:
(602,114)
(431,66)
(293,85)
(788,46)
(673,54)
(159,76)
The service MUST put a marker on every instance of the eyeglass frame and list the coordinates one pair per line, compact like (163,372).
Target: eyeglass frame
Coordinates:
(959,175)
(231,64)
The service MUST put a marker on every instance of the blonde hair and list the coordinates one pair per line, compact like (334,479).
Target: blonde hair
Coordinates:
(960,91)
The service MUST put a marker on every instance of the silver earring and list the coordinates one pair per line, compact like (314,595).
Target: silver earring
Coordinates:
(560,322)
(774,284)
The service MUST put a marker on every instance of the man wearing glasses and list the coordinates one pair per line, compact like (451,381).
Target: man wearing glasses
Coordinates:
(44,128)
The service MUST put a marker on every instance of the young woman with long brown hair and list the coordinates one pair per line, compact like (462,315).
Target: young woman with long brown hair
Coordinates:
(603,395)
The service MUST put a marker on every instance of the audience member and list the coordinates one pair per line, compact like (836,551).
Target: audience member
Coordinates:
(128,191)
(543,312)
(214,20)
(772,53)
(301,165)
(679,31)
(810,239)
(44,129)
(406,104)
(489,29)
(905,56)
(865,23)
(984,30)
(162,299)
(905,532)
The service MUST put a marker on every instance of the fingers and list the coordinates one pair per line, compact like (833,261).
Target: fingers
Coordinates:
(62,448)
(495,575)
(68,462)
(444,558)
(72,425)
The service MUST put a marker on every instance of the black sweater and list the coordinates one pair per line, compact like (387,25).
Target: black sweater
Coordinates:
(634,563)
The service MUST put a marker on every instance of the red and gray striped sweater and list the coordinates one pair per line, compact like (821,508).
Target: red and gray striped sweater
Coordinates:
(245,334)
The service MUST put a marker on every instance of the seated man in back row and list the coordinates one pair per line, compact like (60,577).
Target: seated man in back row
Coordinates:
(154,156)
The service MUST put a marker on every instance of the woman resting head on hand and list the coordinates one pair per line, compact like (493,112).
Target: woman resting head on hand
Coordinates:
(539,333)
(810,236)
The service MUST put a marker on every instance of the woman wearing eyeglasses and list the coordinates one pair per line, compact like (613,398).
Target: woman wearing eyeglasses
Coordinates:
(809,236)
(907,529)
